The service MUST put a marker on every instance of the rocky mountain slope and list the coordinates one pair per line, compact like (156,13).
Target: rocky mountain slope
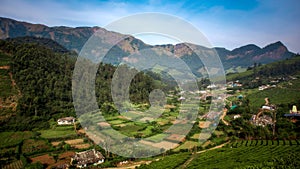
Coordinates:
(74,38)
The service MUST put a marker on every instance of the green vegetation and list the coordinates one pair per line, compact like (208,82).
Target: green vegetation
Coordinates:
(188,145)
(11,139)
(244,154)
(290,90)
(280,69)
(170,161)
(33,146)
(58,132)
(43,72)
(5,59)
(44,79)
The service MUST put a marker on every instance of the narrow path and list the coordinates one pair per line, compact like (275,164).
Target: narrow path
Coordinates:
(4,67)
(222,117)
(225,113)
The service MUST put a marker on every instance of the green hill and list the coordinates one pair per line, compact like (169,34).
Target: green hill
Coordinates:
(280,69)
(43,80)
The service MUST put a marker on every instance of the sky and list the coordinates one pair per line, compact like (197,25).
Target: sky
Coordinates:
(225,23)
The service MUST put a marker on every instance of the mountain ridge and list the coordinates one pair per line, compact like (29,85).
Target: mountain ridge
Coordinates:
(74,39)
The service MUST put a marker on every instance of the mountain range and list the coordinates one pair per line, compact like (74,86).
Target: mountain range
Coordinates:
(238,59)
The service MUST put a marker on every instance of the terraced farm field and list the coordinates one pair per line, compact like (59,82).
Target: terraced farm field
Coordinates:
(250,154)
(241,154)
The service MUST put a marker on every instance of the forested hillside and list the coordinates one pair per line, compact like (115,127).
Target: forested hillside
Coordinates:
(260,74)
(44,79)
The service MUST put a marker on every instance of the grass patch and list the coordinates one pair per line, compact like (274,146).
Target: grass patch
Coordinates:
(290,91)
(187,145)
(9,139)
(33,146)
(171,161)
(58,132)
(158,137)
(131,129)
(116,122)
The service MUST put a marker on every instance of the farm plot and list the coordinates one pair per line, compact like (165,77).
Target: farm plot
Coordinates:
(247,153)
(75,143)
(44,159)
(14,165)
(58,132)
(32,146)
(188,145)
(171,161)
(9,139)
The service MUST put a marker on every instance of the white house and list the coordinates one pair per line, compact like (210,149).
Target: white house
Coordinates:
(236,116)
(66,121)
(181,98)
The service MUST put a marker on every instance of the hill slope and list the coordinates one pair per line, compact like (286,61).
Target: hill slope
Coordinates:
(279,69)
(43,78)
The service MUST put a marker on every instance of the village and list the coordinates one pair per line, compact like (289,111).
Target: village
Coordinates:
(82,142)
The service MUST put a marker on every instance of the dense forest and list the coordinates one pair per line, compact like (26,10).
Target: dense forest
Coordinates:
(43,75)
(259,74)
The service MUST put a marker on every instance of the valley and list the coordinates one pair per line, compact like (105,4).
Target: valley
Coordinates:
(37,107)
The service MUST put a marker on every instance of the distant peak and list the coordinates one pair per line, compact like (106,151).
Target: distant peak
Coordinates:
(246,48)
(275,45)
(278,43)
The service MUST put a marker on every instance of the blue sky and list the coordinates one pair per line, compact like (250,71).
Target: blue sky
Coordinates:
(226,23)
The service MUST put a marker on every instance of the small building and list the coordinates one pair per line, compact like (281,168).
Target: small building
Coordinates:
(212,86)
(236,116)
(85,158)
(66,121)
(263,87)
(181,98)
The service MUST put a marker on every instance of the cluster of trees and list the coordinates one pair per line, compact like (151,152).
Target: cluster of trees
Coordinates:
(261,74)
(44,79)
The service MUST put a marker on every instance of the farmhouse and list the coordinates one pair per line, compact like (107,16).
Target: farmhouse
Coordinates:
(85,158)
(66,121)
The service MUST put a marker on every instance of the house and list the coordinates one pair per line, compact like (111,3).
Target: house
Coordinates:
(181,98)
(263,87)
(236,116)
(85,158)
(212,86)
(66,121)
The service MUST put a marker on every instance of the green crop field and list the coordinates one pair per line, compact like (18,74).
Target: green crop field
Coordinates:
(172,161)
(245,154)
(58,132)
(240,154)
(188,145)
